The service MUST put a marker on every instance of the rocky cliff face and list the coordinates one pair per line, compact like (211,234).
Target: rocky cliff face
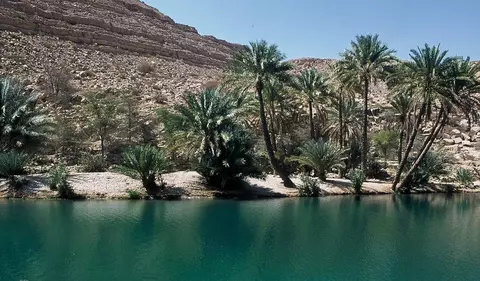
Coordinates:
(116,26)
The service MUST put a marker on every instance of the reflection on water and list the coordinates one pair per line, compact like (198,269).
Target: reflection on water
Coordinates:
(417,237)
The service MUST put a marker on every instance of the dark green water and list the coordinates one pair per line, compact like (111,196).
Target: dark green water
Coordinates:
(338,238)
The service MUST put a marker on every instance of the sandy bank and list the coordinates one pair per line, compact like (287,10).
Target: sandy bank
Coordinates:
(184,184)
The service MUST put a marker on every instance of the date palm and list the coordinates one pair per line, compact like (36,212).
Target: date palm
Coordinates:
(402,105)
(253,66)
(364,63)
(345,127)
(22,125)
(313,85)
(437,81)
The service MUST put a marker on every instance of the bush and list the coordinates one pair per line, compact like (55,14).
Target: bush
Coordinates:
(58,175)
(432,166)
(309,187)
(321,156)
(375,170)
(464,177)
(235,161)
(93,163)
(134,195)
(12,164)
(22,124)
(145,67)
(146,163)
(58,180)
(357,177)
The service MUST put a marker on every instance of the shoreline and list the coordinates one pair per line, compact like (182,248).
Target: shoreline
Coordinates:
(187,185)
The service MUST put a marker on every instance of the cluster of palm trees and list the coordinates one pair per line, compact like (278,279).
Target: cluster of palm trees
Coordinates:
(425,90)
(310,121)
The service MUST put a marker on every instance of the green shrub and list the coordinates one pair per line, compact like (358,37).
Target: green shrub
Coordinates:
(22,124)
(58,180)
(309,187)
(134,194)
(235,161)
(357,177)
(321,156)
(93,163)
(57,176)
(433,165)
(464,177)
(385,141)
(12,164)
(146,163)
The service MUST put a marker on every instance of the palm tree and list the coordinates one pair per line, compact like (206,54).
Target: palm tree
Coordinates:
(22,125)
(313,85)
(254,65)
(366,62)
(321,156)
(197,124)
(435,81)
(345,127)
(402,105)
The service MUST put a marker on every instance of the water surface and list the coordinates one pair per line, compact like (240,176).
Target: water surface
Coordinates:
(337,238)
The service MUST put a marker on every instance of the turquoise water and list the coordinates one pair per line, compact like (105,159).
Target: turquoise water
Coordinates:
(338,238)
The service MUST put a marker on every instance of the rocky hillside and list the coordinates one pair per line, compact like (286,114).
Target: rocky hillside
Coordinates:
(108,44)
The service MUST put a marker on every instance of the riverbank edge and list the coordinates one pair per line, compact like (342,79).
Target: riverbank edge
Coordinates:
(187,185)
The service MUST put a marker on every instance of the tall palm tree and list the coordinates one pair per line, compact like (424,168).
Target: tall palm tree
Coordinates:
(436,81)
(313,85)
(366,62)
(345,127)
(22,124)
(402,105)
(254,65)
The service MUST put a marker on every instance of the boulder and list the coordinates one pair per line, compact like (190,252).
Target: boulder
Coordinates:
(449,141)
(475,129)
(455,132)
(467,143)
(458,140)
(465,137)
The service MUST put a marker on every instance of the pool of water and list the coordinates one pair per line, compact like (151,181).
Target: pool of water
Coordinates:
(420,237)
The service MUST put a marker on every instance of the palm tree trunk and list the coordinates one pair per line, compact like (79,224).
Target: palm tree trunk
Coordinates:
(427,144)
(413,134)
(400,143)
(340,117)
(272,128)
(287,182)
(310,112)
(365,126)
(102,146)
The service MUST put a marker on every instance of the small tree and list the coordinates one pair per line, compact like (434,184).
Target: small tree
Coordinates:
(464,177)
(385,141)
(58,83)
(103,112)
(146,163)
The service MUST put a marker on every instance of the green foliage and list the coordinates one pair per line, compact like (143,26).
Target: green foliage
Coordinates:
(134,194)
(385,141)
(464,177)
(196,125)
(351,120)
(310,187)
(12,164)
(357,178)
(233,160)
(57,176)
(433,165)
(146,163)
(321,156)
(103,113)
(22,125)
(92,163)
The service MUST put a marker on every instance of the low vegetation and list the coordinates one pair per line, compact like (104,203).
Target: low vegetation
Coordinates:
(146,163)
(310,187)
(357,177)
